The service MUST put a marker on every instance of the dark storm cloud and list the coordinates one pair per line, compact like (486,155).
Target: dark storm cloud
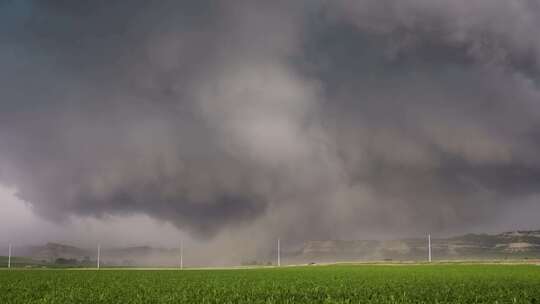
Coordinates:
(312,118)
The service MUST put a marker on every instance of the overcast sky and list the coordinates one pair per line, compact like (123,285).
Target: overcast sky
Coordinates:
(225,121)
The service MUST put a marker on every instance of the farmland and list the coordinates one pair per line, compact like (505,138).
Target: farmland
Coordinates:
(315,284)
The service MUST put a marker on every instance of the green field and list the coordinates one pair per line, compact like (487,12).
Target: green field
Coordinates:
(316,284)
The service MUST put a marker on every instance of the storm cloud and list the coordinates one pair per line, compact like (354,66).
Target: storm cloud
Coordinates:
(311,119)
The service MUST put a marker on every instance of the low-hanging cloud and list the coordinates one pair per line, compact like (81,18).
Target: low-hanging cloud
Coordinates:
(314,119)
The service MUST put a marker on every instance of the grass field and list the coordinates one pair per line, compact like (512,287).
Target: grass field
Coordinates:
(316,284)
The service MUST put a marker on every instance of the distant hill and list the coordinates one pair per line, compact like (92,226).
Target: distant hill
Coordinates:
(54,253)
(508,245)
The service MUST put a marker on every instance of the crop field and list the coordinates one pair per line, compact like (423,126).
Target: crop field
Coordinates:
(315,284)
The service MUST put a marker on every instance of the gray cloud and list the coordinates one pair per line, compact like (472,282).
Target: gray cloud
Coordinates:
(314,119)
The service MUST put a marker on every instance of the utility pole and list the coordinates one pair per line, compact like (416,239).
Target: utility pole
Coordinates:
(98,254)
(181,254)
(9,256)
(429,248)
(278,253)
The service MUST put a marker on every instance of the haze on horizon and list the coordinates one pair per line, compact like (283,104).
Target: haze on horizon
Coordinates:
(223,122)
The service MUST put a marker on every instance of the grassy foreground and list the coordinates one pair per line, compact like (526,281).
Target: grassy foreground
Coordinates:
(318,284)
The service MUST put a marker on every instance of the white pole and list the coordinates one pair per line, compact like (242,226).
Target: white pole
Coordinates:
(9,257)
(98,254)
(181,254)
(429,248)
(278,253)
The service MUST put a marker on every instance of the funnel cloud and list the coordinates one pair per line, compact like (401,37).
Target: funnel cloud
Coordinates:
(310,119)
